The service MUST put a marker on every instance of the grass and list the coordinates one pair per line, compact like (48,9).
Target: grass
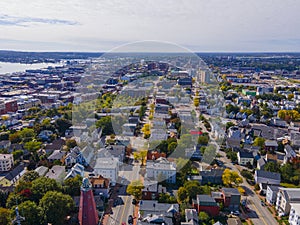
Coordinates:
(287,185)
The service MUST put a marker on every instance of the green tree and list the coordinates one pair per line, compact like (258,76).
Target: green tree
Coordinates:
(72,185)
(182,195)
(259,141)
(5,216)
(42,185)
(14,199)
(17,154)
(32,146)
(193,188)
(203,216)
(287,172)
(56,206)
(272,167)
(15,138)
(71,143)
(30,176)
(106,125)
(135,189)
(27,134)
(171,147)
(62,125)
(33,214)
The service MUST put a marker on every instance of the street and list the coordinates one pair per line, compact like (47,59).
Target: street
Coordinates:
(124,207)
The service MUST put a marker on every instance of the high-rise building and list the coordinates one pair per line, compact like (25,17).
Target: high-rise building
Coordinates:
(204,76)
(88,214)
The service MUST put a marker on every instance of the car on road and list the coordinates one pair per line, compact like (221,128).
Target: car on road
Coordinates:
(236,213)
(130,219)
(262,203)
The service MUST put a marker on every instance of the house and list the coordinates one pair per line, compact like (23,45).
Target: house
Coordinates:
(271,145)
(294,217)
(153,212)
(234,137)
(271,194)
(150,190)
(57,155)
(266,177)
(75,156)
(57,173)
(42,170)
(45,135)
(100,186)
(245,158)
(261,164)
(187,81)
(205,203)
(191,217)
(5,144)
(57,144)
(232,198)
(12,177)
(212,176)
(108,168)
(77,169)
(290,154)
(285,197)
(161,169)
(6,162)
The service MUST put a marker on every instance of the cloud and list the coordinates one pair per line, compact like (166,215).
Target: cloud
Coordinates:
(7,20)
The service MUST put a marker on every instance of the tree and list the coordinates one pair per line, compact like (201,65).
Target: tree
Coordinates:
(241,190)
(203,216)
(72,185)
(259,141)
(5,216)
(56,206)
(247,174)
(71,143)
(231,178)
(287,172)
(42,185)
(62,125)
(229,124)
(146,130)
(182,195)
(32,146)
(33,214)
(272,167)
(27,134)
(106,125)
(193,188)
(171,147)
(135,189)
(17,154)
(143,156)
(30,176)
(15,138)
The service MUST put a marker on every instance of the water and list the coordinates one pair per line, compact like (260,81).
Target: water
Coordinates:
(19,67)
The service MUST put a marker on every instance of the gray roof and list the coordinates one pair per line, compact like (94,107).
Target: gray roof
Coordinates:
(267,174)
(202,199)
(106,163)
(231,191)
(245,154)
(15,172)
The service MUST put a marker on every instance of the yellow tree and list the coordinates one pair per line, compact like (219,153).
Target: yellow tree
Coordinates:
(143,156)
(135,189)
(146,130)
(231,178)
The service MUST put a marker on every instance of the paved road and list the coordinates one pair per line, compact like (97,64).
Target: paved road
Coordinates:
(259,214)
(124,208)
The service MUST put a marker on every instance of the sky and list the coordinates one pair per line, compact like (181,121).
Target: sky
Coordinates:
(197,25)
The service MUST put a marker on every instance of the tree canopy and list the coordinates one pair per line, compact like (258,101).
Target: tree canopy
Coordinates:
(135,189)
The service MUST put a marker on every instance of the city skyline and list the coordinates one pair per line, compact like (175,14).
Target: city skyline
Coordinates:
(200,26)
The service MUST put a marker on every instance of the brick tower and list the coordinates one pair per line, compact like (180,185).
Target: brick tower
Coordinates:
(88,214)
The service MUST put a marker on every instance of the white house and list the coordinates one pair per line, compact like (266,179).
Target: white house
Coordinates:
(285,197)
(108,168)
(294,218)
(271,194)
(245,157)
(266,177)
(161,169)
(6,162)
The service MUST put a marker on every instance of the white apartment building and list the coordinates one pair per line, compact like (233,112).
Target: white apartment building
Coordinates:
(108,168)
(285,197)
(161,169)
(6,162)
(294,218)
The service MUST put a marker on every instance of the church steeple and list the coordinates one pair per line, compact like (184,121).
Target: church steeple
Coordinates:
(88,214)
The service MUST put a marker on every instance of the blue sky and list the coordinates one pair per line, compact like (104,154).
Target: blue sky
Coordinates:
(199,25)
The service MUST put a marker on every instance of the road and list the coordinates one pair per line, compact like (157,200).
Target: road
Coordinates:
(124,208)
(259,214)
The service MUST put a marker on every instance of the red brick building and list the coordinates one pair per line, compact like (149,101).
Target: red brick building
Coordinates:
(205,203)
